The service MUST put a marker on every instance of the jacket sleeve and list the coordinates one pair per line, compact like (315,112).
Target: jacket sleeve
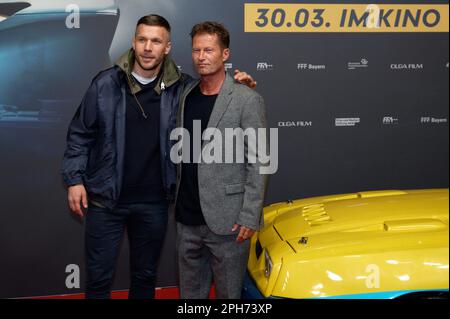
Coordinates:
(80,137)
(251,215)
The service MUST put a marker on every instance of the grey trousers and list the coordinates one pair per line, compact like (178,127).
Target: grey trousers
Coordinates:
(203,256)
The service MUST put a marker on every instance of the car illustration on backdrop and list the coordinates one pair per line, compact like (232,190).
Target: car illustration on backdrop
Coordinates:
(47,61)
(376,244)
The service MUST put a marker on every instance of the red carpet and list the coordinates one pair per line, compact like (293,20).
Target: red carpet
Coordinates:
(161,293)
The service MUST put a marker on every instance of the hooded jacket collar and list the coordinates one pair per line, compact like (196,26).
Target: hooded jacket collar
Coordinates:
(170,72)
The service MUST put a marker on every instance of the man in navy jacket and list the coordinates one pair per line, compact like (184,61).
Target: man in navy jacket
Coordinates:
(117,165)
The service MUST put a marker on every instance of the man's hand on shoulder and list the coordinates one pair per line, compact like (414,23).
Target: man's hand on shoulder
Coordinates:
(245,79)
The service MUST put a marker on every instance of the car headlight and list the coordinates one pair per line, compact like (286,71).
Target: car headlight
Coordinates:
(268,265)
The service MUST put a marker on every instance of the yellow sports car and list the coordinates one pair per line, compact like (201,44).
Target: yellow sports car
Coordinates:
(377,244)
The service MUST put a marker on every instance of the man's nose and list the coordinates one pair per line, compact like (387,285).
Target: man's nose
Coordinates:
(201,55)
(148,46)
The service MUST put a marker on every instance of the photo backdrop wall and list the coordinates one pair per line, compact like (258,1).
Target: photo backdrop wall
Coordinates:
(359,95)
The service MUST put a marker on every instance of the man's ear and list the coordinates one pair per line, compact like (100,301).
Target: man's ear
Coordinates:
(225,54)
(133,43)
(168,47)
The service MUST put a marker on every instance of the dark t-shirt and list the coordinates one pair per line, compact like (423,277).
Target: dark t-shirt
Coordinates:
(188,210)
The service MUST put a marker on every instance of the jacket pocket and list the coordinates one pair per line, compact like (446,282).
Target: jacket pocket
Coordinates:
(234,188)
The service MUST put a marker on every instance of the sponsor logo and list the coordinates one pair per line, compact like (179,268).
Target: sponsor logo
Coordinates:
(311,67)
(351,121)
(264,66)
(388,120)
(363,64)
(295,124)
(228,66)
(403,66)
(432,120)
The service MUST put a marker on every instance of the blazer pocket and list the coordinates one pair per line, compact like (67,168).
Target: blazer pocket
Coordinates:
(234,188)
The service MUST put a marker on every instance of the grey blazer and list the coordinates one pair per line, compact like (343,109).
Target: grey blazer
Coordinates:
(230,192)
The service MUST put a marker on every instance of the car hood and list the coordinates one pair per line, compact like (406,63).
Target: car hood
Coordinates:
(364,212)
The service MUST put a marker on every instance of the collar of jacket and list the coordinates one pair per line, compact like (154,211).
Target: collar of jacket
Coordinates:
(170,72)
(225,90)
(221,105)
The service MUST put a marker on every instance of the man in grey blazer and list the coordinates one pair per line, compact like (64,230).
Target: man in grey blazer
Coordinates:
(218,201)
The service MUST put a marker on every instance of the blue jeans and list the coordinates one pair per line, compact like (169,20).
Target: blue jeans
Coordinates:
(146,225)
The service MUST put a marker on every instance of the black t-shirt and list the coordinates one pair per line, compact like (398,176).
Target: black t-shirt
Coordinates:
(188,209)
(142,177)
